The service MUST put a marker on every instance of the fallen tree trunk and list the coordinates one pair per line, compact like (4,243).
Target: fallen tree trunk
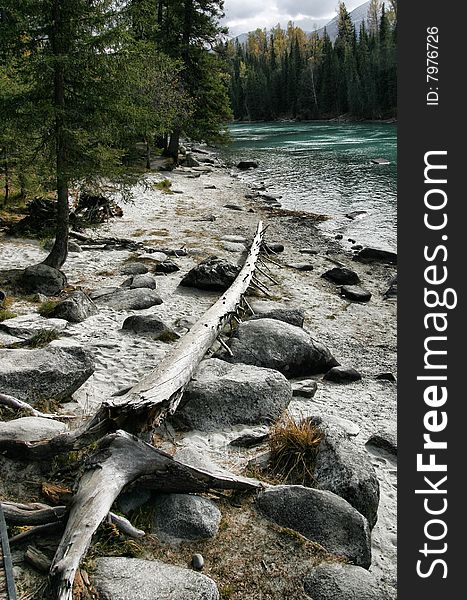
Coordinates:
(121,459)
(147,403)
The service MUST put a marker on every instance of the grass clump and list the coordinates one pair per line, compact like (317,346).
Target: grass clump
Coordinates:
(40,339)
(294,446)
(108,541)
(164,186)
(46,308)
(6,314)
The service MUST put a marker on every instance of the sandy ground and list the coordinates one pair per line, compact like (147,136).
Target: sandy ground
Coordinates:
(359,335)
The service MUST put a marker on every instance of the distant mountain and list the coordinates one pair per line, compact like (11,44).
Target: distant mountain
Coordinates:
(358,15)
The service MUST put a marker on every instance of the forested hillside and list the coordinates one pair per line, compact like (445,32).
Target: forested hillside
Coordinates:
(290,74)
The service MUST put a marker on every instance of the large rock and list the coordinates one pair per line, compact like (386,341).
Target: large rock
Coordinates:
(355,293)
(42,279)
(25,326)
(134,268)
(75,308)
(150,325)
(212,274)
(377,255)
(281,346)
(247,164)
(141,280)
(320,516)
(166,267)
(125,299)
(384,439)
(31,429)
(190,161)
(342,375)
(345,469)
(293,316)
(185,517)
(119,578)
(341,276)
(52,373)
(337,581)
(221,395)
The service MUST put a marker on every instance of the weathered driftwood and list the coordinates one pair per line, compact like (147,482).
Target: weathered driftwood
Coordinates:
(37,559)
(55,527)
(38,515)
(147,403)
(32,514)
(121,459)
(17,404)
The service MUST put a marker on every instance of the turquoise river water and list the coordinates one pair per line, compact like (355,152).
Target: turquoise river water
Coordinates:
(326,168)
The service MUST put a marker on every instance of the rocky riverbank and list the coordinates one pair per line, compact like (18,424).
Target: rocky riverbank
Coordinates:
(135,308)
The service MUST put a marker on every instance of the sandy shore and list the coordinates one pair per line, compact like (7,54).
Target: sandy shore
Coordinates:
(362,336)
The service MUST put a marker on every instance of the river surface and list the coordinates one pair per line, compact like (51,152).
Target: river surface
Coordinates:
(326,168)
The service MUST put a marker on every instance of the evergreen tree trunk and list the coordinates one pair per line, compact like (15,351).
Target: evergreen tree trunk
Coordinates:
(59,252)
(7,175)
(173,146)
(148,155)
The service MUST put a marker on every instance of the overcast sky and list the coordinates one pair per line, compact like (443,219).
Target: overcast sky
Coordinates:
(248,15)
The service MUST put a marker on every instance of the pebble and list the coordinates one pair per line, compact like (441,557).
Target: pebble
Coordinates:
(302,266)
(197,562)
(233,206)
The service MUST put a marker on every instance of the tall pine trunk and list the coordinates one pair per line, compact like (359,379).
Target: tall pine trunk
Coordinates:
(59,252)
(6,171)
(173,146)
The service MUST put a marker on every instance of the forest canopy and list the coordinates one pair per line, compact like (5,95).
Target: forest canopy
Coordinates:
(287,73)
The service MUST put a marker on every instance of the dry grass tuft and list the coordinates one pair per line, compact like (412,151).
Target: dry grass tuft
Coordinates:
(294,446)
(46,308)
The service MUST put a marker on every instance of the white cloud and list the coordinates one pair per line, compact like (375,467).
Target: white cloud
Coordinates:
(248,15)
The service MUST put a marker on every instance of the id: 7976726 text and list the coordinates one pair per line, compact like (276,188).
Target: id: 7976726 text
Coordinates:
(432,66)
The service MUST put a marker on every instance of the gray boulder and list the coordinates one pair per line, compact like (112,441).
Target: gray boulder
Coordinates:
(342,375)
(185,517)
(377,255)
(134,268)
(166,267)
(75,308)
(48,373)
(74,247)
(277,345)
(337,581)
(301,266)
(150,325)
(341,276)
(247,164)
(141,280)
(136,299)
(119,578)
(42,279)
(190,161)
(31,429)
(26,326)
(320,516)
(355,293)
(133,499)
(233,247)
(212,274)
(293,316)
(103,291)
(305,389)
(384,439)
(345,469)
(221,395)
